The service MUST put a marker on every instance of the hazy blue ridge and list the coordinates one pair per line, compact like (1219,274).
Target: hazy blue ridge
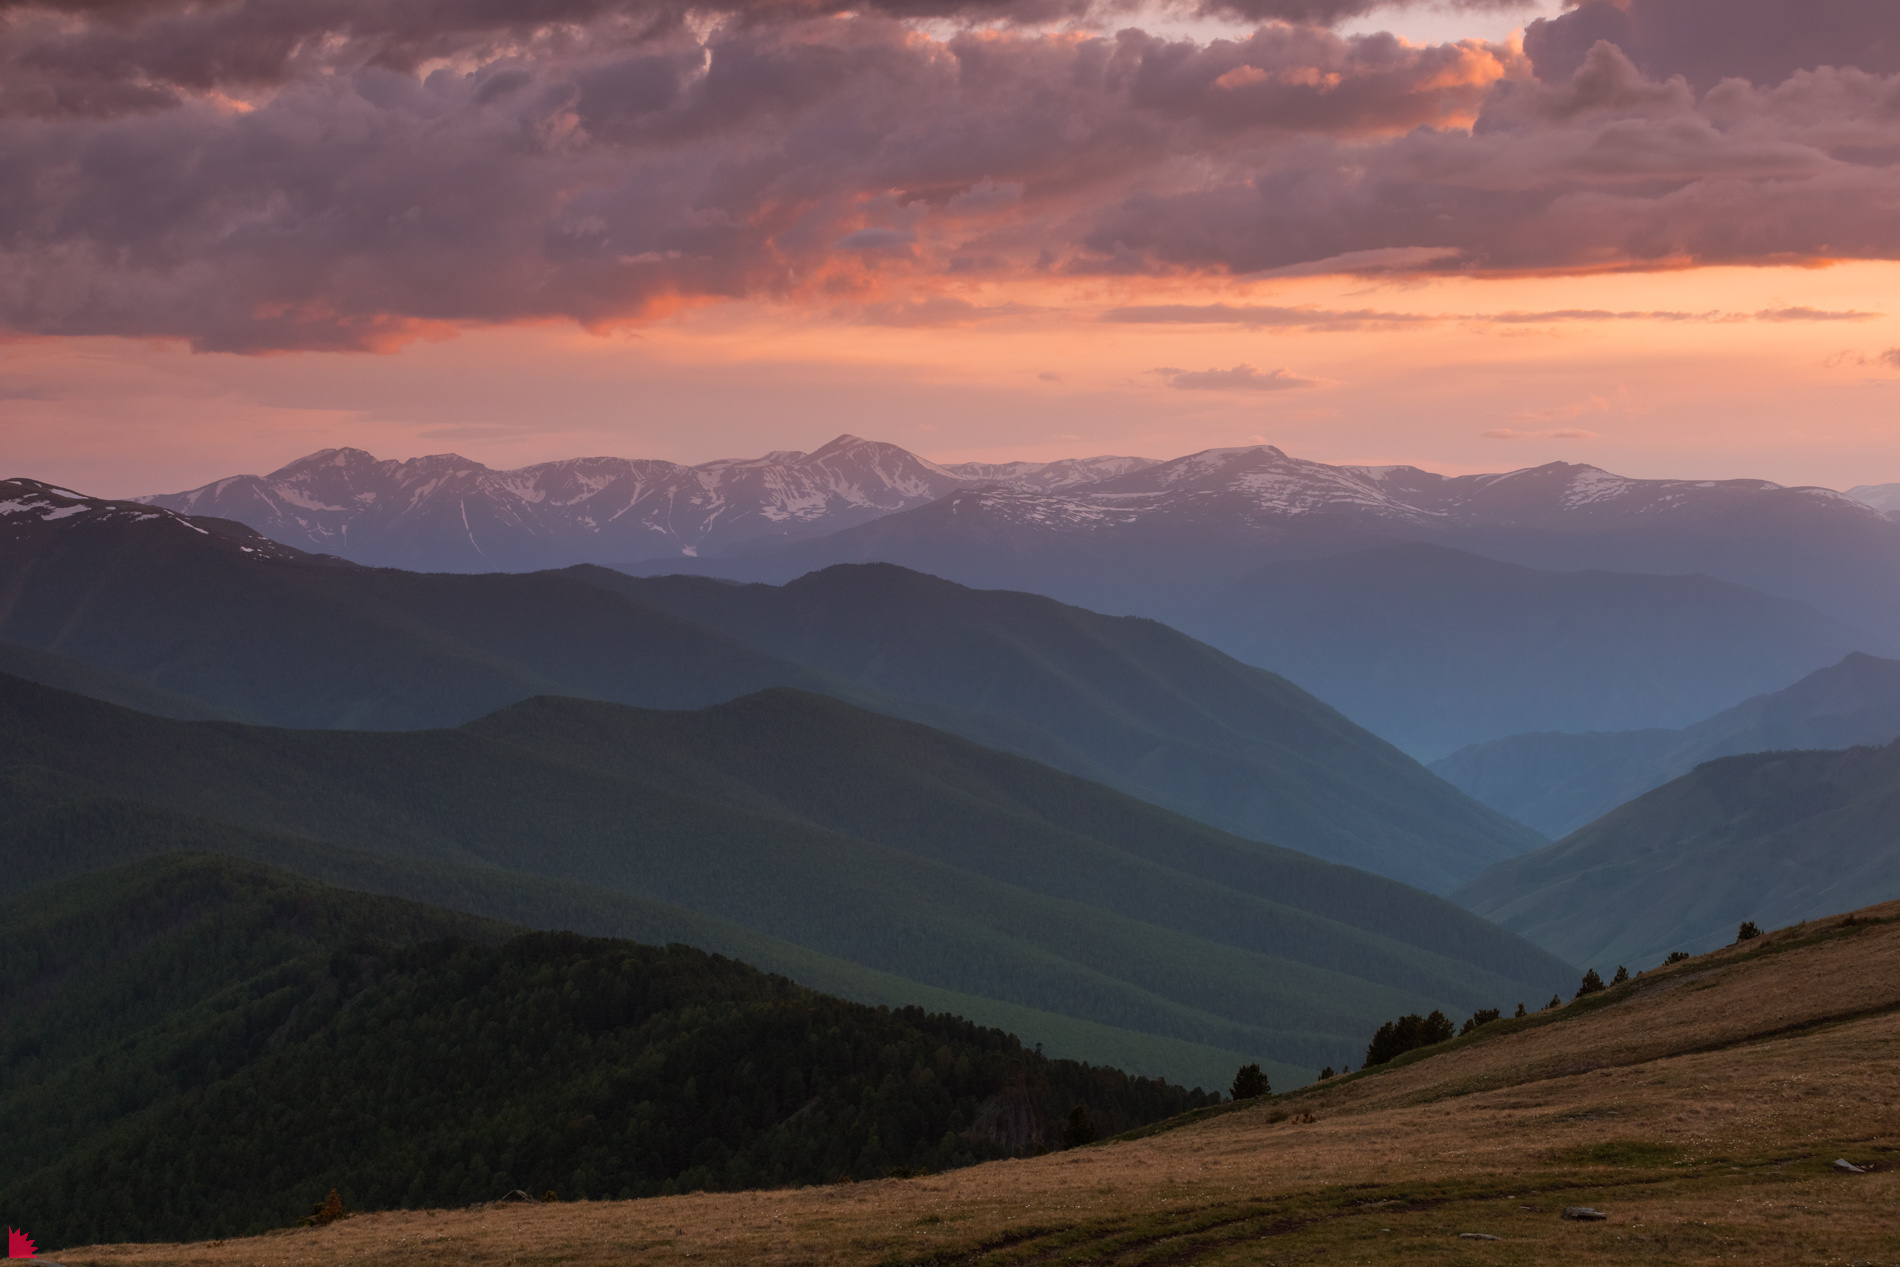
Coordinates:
(1772,837)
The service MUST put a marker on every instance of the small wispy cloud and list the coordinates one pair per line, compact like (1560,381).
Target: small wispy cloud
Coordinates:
(1801,313)
(1272,317)
(1241,378)
(1890,359)
(1564,433)
(1263,317)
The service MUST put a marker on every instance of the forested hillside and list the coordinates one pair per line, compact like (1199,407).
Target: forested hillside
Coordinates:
(864,839)
(193,1046)
(1768,837)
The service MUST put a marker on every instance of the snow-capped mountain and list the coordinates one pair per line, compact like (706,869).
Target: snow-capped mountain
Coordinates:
(1263,485)
(1884,498)
(1048,477)
(30,508)
(1172,539)
(447,513)
(1115,533)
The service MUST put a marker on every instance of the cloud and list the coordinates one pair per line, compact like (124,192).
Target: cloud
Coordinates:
(1268,317)
(259,175)
(1048,377)
(1706,41)
(1241,378)
(932,310)
(1890,358)
(1260,316)
(1815,314)
(1608,170)
(875,239)
(1511,433)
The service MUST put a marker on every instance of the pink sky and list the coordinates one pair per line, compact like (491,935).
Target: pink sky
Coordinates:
(1646,234)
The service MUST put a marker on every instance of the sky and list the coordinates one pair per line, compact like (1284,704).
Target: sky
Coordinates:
(1659,236)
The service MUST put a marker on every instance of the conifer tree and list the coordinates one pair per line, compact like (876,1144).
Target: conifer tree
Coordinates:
(1249,1083)
(1591,984)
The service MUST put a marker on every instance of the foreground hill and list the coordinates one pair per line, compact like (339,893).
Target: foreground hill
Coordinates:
(861,838)
(1700,1109)
(1435,648)
(207,615)
(1125,701)
(254,1040)
(1771,837)
(1560,782)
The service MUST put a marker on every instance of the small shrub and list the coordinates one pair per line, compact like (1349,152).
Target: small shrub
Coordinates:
(325,1212)
(1249,1083)
(1520,1012)
(1554,1002)
(1747,932)
(1591,984)
(1483,1016)
(1677,956)
(1080,1128)
(1622,975)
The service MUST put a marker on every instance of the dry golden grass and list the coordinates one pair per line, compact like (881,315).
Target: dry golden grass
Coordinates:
(1701,1107)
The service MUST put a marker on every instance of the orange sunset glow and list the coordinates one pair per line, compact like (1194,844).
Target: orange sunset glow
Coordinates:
(1478,243)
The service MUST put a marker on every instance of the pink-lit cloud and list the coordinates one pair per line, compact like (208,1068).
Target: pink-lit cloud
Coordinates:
(1564,433)
(1241,378)
(261,175)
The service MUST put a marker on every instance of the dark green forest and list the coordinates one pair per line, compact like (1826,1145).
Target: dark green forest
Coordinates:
(800,819)
(196,1047)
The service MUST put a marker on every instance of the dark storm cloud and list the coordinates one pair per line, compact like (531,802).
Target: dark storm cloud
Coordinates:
(269,174)
(1706,41)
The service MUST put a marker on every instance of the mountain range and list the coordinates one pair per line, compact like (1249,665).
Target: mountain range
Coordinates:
(1558,782)
(444,513)
(223,623)
(1435,648)
(1276,560)
(1768,837)
(860,839)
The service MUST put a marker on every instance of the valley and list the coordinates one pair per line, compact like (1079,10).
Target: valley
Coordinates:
(949,633)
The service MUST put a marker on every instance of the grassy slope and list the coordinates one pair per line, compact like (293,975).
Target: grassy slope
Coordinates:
(1299,976)
(1121,700)
(1771,837)
(193,1043)
(1700,1108)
